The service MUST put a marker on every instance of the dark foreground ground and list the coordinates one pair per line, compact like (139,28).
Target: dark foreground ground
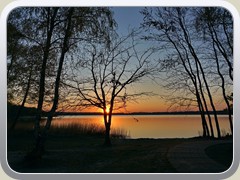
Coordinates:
(86,154)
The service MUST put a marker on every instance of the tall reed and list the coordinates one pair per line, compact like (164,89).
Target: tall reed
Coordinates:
(86,129)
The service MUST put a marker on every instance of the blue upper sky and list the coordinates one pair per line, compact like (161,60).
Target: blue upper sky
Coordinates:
(127,17)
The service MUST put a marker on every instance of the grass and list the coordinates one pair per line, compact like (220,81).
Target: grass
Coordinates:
(79,154)
(79,149)
(74,129)
(86,129)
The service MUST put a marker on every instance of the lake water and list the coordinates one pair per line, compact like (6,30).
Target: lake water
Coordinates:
(150,126)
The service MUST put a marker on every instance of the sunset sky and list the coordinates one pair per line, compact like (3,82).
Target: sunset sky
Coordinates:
(128,18)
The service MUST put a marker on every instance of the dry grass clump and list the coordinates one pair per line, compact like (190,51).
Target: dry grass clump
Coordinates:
(86,129)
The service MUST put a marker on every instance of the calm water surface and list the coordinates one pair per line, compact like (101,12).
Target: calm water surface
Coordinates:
(150,126)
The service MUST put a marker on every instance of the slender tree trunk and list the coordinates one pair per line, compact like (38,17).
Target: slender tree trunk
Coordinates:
(208,114)
(9,68)
(230,43)
(23,102)
(223,88)
(14,57)
(109,115)
(203,118)
(205,104)
(221,49)
(228,107)
(107,135)
(51,24)
(192,51)
(58,77)
(202,113)
(107,141)
(210,96)
(198,97)
(194,81)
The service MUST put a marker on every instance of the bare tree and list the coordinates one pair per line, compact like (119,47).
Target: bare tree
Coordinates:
(104,77)
(217,27)
(174,29)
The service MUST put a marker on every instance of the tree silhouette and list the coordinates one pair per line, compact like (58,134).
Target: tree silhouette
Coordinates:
(52,34)
(217,27)
(103,77)
(175,30)
(23,61)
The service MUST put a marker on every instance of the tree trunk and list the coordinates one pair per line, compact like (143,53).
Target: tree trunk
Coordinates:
(223,89)
(221,49)
(194,55)
(205,104)
(209,116)
(107,135)
(59,72)
(222,78)
(201,110)
(39,139)
(210,96)
(44,134)
(194,81)
(23,102)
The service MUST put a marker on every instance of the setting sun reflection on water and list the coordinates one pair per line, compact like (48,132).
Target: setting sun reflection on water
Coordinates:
(149,126)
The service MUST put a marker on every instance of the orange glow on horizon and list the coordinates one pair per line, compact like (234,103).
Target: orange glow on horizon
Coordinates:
(147,105)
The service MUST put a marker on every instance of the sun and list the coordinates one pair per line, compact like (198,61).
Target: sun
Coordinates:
(107,110)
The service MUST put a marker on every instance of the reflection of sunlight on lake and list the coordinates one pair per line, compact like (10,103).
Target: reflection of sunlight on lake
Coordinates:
(61,120)
(149,126)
